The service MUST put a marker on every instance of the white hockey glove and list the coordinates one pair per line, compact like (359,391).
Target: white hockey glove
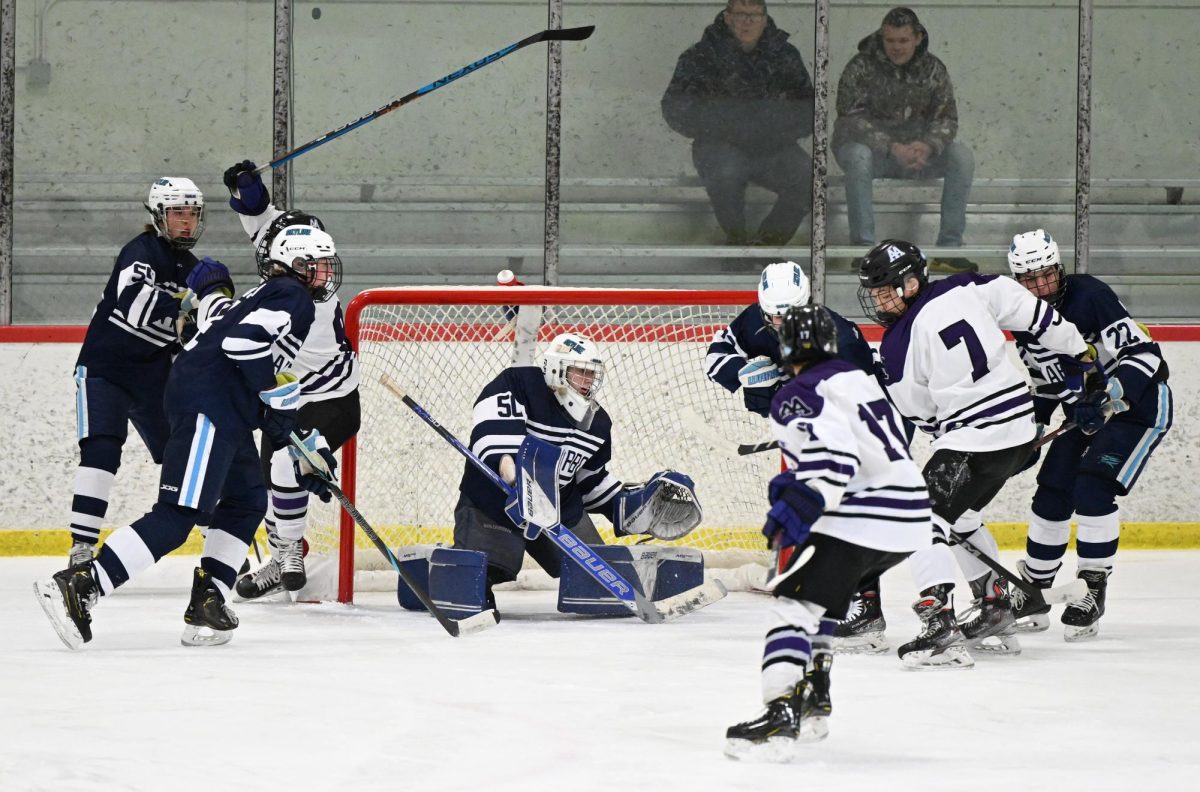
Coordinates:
(761,372)
(534,505)
(317,468)
(665,507)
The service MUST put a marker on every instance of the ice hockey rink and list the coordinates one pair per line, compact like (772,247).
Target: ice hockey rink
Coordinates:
(367,697)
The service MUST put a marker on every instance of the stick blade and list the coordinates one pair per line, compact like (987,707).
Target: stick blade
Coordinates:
(569,34)
(1068,592)
(691,600)
(477,623)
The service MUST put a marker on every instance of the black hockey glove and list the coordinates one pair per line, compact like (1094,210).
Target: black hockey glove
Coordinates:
(208,276)
(758,400)
(313,477)
(247,193)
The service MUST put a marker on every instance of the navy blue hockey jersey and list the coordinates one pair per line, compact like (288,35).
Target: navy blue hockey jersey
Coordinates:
(517,403)
(748,337)
(131,336)
(224,367)
(1125,349)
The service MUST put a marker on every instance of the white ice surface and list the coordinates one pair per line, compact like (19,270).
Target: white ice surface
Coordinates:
(371,698)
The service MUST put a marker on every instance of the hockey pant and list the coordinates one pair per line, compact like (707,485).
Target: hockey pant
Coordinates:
(505,546)
(1083,476)
(337,420)
(204,471)
(808,604)
(103,412)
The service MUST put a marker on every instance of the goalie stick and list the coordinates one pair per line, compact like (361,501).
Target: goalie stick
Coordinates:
(564,34)
(480,621)
(703,430)
(573,547)
(1058,595)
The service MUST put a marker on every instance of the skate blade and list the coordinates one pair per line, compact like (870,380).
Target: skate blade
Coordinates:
(691,600)
(49,596)
(952,657)
(1031,624)
(196,635)
(996,645)
(813,729)
(1074,634)
(868,643)
(776,750)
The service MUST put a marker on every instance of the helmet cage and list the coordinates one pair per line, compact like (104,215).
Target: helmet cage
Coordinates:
(1035,263)
(574,373)
(309,255)
(891,263)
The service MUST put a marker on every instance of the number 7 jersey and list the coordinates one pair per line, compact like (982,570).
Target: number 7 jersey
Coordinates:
(947,363)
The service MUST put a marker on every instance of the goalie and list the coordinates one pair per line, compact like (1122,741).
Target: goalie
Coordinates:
(550,421)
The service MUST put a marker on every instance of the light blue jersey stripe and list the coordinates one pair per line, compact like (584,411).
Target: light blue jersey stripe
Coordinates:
(1150,439)
(197,463)
(81,413)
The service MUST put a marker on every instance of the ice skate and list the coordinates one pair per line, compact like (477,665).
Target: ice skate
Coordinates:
(817,706)
(862,631)
(987,624)
(291,563)
(81,553)
(1030,616)
(940,644)
(1082,618)
(261,582)
(210,622)
(67,599)
(772,736)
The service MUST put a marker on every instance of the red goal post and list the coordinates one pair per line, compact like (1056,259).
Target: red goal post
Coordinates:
(444,344)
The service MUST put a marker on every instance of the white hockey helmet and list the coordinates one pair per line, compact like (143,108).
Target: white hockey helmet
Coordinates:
(574,372)
(783,285)
(308,254)
(172,192)
(1034,260)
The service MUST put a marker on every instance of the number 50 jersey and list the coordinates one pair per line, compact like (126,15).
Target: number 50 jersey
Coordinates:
(947,364)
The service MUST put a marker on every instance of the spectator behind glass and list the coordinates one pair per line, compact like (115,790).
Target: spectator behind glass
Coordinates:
(897,118)
(743,95)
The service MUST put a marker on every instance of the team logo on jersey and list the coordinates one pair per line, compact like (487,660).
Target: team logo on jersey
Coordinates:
(795,407)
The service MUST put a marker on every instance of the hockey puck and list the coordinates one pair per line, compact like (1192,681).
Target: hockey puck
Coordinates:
(316,12)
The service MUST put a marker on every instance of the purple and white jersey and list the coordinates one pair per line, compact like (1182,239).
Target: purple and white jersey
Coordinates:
(947,363)
(841,436)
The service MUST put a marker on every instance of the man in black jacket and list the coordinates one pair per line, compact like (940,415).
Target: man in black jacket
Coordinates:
(743,95)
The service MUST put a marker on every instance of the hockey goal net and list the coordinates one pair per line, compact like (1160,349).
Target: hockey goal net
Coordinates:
(443,345)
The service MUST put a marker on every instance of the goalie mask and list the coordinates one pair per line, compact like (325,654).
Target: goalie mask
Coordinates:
(1034,261)
(574,372)
(262,248)
(177,206)
(309,255)
(807,334)
(782,286)
(884,276)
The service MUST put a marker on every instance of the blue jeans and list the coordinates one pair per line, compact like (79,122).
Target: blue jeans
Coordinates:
(726,170)
(956,166)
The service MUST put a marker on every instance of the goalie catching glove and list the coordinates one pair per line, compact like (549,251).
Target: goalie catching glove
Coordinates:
(316,469)
(665,507)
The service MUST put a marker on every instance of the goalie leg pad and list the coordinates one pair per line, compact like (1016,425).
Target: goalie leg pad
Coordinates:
(578,592)
(414,559)
(458,581)
(679,569)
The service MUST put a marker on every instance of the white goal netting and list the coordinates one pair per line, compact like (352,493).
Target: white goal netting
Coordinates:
(444,345)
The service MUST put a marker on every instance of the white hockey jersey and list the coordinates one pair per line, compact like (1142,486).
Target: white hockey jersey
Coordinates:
(841,436)
(326,364)
(947,364)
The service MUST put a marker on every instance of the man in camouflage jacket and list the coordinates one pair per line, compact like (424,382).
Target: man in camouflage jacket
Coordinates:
(897,118)
(744,97)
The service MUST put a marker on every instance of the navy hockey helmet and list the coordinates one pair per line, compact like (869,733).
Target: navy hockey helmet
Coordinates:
(884,271)
(262,249)
(807,334)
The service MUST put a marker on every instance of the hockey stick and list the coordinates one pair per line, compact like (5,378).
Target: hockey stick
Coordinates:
(573,547)
(566,34)
(1058,595)
(480,621)
(1114,407)
(701,428)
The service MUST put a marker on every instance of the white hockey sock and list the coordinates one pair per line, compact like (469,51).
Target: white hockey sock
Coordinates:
(1096,539)
(932,566)
(971,528)
(788,645)
(89,504)
(1045,547)
(288,500)
(227,549)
